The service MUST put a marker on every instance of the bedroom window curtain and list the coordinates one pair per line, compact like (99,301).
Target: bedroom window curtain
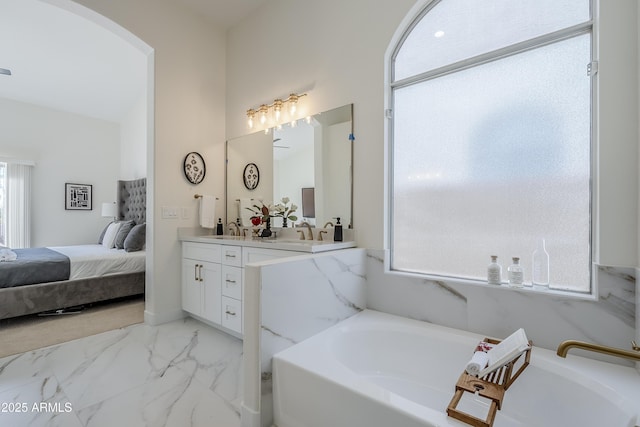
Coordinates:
(18,193)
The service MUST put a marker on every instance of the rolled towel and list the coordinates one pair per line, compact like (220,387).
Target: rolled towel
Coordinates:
(477,363)
(7,255)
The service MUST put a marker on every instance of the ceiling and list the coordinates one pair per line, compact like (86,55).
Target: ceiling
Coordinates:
(61,61)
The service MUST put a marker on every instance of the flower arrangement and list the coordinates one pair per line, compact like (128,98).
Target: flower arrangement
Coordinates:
(261,213)
(285,211)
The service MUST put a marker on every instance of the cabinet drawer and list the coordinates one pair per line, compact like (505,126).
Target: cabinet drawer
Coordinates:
(232,281)
(232,314)
(201,251)
(232,255)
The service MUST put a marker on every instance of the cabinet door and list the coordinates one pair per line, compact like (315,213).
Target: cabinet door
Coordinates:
(212,292)
(191,286)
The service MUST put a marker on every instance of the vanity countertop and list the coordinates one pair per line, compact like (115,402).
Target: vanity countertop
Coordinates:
(286,243)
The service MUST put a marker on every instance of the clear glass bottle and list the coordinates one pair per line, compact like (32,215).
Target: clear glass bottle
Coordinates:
(516,273)
(494,272)
(540,271)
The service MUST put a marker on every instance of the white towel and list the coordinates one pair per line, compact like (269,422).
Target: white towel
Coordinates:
(245,214)
(477,363)
(7,255)
(208,212)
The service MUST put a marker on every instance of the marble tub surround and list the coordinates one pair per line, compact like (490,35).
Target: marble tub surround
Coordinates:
(287,301)
(287,239)
(176,374)
(548,319)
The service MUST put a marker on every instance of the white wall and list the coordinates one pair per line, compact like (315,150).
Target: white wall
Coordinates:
(133,141)
(66,148)
(189,92)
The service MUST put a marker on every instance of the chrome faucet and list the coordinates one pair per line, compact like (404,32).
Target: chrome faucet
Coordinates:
(633,354)
(309,228)
(235,233)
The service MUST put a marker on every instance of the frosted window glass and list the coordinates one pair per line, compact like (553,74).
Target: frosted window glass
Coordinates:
(460,29)
(488,160)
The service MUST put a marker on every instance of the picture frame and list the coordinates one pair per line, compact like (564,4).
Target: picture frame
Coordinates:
(78,197)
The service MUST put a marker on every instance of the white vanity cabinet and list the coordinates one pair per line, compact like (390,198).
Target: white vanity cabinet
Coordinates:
(202,280)
(212,280)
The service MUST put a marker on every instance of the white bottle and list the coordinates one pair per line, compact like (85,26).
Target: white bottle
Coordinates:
(540,272)
(494,272)
(516,274)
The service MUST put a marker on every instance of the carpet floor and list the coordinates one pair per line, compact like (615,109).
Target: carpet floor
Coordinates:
(22,334)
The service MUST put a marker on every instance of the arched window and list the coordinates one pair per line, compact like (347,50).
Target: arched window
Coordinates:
(489,140)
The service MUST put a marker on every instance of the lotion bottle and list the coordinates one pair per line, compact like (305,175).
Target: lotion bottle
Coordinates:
(516,274)
(494,272)
(337,231)
(219,229)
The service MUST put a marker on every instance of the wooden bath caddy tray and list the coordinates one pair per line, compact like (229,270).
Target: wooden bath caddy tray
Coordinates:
(492,386)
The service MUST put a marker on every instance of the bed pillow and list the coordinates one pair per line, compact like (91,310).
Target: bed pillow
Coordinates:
(136,239)
(104,230)
(110,235)
(123,232)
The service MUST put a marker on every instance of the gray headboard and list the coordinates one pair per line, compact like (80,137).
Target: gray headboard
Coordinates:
(132,200)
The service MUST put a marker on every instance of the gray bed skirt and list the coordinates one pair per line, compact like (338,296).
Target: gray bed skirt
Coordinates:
(31,299)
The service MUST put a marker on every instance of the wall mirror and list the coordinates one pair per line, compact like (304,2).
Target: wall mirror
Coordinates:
(310,163)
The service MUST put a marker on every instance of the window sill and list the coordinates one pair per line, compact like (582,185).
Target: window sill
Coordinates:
(555,293)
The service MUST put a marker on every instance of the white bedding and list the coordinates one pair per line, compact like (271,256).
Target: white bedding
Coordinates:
(96,260)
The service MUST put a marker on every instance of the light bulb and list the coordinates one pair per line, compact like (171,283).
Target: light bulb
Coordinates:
(293,103)
(263,113)
(250,114)
(277,108)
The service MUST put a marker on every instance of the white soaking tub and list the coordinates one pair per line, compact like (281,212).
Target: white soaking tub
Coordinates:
(380,370)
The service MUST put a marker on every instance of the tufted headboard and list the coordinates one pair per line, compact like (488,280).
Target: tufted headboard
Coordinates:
(132,200)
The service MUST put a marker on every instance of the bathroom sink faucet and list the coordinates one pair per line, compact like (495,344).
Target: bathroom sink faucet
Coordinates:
(633,354)
(237,231)
(309,228)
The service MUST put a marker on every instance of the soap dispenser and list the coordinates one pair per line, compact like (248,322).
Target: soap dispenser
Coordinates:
(337,231)
(219,229)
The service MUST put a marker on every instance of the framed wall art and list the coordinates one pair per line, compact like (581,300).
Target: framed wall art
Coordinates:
(194,167)
(78,197)
(251,176)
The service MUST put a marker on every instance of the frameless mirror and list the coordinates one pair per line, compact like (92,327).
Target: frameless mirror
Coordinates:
(309,163)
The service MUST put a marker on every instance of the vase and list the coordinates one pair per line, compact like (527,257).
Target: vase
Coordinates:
(267,230)
(284,222)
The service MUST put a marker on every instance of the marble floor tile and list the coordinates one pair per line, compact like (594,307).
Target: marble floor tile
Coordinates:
(183,373)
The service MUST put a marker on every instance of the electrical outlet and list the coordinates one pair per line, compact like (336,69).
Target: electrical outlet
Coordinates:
(185,213)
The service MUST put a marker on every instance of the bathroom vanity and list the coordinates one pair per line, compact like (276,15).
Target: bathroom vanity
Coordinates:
(213,272)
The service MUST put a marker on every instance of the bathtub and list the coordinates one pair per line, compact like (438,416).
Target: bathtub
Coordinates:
(376,369)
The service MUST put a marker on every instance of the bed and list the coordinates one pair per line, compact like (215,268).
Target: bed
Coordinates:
(85,273)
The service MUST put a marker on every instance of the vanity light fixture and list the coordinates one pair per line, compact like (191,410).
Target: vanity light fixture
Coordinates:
(278,106)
